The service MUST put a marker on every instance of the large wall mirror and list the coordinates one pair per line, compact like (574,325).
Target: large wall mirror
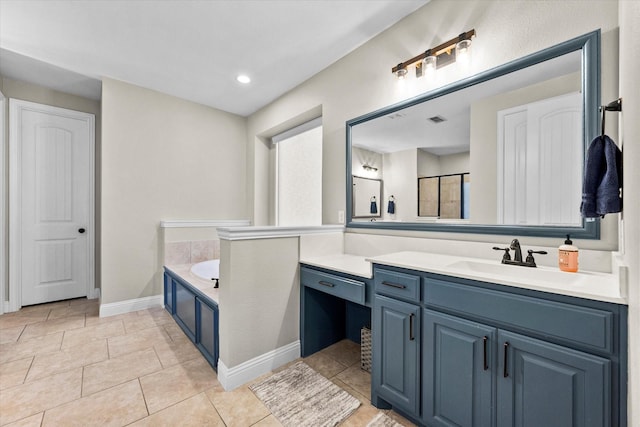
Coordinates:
(501,152)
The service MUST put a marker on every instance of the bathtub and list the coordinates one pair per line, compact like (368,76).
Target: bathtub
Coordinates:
(208,270)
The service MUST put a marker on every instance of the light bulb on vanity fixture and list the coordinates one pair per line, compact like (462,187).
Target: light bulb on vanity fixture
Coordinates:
(369,168)
(458,48)
(401,72)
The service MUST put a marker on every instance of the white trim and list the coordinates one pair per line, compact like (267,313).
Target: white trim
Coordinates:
(311,124)
(271,232)
(130,305)
(3,201)
(15,193)
(231,378)
(188,223)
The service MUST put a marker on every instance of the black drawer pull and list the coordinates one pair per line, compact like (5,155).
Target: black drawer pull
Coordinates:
(394,285)
(327,284)
(411,336)
(485,339)
(505,372)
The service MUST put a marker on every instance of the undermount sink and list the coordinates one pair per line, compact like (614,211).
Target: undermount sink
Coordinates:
(515,272)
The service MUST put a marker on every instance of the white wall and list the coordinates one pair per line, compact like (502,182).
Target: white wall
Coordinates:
(630,137)
(163,158)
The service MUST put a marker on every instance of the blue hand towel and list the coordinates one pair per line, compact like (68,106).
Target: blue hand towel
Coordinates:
(374,207)
(602,179)
(391,207)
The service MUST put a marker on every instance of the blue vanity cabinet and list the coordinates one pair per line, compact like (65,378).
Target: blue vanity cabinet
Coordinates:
(396,350)
(458,365)
(333,306)
(492,355)
(543,384)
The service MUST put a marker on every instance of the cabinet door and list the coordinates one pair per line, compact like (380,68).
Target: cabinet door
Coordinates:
(208,332)
(458,371)
(396,335)
(168,293)
(543,384)
(185,310)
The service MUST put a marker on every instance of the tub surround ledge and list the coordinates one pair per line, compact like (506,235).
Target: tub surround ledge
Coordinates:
(272,232)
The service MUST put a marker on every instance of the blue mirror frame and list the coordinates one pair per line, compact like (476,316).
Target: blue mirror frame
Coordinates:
(589,44)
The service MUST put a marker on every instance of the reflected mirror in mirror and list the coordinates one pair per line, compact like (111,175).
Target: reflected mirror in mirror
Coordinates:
(367,197)
(520,135)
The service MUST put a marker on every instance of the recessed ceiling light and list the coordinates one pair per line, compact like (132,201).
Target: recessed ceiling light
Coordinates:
(242,78)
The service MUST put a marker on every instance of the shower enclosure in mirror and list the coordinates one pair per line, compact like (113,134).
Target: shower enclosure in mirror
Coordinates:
(501,152)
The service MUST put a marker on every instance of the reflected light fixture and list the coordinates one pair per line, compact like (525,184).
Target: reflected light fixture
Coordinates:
(439,56)
(243,78)
(369,168)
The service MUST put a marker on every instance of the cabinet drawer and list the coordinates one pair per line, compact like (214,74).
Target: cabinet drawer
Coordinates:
(396,284)
(352,290)
(570,323)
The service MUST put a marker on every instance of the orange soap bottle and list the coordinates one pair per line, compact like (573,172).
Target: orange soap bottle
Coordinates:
(568,256)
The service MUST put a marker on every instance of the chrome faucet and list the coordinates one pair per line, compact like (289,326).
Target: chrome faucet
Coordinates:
(517,257)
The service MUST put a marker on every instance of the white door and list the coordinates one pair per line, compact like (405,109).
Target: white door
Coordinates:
(540,183)
(51,166)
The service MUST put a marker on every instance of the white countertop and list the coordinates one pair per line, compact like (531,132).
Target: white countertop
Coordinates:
(583,284)
(344,263)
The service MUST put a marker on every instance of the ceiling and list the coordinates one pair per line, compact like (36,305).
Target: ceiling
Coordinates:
(192,49)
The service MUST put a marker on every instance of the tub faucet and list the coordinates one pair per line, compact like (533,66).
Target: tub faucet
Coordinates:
(515,246)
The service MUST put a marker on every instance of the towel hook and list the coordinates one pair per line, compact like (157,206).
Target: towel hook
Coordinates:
(612,106)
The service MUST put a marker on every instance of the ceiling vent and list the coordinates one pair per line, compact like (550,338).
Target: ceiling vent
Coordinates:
(437,119)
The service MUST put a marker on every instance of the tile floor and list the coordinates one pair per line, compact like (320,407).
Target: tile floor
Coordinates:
(62,365)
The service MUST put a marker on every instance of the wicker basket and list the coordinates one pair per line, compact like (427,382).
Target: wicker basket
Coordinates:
(365,349)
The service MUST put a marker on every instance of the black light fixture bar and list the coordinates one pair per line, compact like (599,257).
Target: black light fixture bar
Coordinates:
(443,47)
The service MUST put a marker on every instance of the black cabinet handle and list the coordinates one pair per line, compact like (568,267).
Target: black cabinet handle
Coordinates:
(394,285)
(327,284)
(505,372)
(411,337)
(485,339)
(81,230)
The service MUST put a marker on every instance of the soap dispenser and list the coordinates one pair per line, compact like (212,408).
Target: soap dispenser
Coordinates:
(568,256)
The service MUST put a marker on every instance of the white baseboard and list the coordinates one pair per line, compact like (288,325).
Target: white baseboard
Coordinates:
(127,306)
(234,377)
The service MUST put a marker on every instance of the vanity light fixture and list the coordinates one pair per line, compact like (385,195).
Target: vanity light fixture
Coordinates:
(400,72)
(436,57)
(369,168)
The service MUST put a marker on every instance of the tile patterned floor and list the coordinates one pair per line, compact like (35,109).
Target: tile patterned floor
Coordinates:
(62,365)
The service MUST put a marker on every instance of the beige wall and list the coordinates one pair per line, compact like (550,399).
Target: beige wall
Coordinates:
(399,179)
(162,158)
(29,92)
(362,81)
(259,297)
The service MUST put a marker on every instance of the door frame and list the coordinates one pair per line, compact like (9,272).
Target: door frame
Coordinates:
(3,202)
(16,107)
